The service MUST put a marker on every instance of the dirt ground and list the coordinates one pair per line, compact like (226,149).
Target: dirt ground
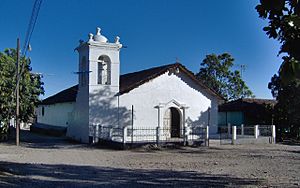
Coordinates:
(43,161)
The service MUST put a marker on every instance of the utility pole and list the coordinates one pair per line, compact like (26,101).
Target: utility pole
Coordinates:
(17,94)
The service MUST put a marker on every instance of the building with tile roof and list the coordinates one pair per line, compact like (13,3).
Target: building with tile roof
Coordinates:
(167,97)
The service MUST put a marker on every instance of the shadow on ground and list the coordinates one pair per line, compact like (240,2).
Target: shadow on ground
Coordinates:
(40,141)
(46,175)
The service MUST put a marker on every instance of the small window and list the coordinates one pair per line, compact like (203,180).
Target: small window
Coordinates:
(83,72)
(43,111)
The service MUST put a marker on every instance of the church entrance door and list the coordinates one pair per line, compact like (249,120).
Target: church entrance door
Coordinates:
(172,122)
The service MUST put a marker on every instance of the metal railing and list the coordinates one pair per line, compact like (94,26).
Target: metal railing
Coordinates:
(127,135)
(229,134)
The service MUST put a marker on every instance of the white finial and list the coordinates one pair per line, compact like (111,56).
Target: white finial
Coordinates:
(117,40)
(98,29)
(90,37)
(98,37)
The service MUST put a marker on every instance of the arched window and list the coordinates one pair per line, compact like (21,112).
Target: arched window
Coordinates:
(83,71)
(104,70)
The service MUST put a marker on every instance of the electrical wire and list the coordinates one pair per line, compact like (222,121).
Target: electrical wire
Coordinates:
(30,29)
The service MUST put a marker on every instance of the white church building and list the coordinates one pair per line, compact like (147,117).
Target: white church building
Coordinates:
(160,103)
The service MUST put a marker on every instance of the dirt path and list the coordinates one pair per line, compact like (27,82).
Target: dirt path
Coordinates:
(53,162)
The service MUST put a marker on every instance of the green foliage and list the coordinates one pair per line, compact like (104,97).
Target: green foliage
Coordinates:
(284,26)
(31,87)
(215,72)
(287,109)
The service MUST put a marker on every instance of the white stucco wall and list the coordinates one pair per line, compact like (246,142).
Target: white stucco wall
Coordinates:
(78,128)
(95,103)
(55,114)
(163,89)
(101,104)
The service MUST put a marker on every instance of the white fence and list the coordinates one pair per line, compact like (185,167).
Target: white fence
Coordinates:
(132,135)
(243,134)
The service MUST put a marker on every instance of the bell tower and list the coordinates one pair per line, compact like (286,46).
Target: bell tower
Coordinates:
(99,62)
(98,87)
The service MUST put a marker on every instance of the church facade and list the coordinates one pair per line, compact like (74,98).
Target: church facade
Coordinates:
(168,97)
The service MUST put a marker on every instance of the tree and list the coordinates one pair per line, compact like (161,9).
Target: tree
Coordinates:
(31,87)
(215,72)
(287,110)
(284,26)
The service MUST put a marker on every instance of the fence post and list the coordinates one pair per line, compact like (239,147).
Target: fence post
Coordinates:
(157,135)
(242,129)
(124,136)
(233,135)
(184,136)
(132,135)
(100,130)
(110,132)
(273,134)
(96,133)
(207,136)
(228,128)
(255,131)
(187,132)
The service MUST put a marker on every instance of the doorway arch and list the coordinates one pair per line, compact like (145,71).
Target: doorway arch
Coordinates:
(172,121)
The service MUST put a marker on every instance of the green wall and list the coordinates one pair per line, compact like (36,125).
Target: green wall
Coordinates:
(235,118)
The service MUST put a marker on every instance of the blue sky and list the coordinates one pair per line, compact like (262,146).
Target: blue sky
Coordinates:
(154,31)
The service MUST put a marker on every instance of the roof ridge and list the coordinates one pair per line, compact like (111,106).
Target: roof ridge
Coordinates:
(129,82)
(156,67)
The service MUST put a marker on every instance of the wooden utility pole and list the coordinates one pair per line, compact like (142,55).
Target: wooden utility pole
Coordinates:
(17,94)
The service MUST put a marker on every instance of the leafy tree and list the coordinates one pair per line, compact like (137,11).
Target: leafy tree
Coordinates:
(284,26)
(31,87)
(287,109)
(215,72)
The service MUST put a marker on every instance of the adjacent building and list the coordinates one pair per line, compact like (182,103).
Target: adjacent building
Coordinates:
(247,111)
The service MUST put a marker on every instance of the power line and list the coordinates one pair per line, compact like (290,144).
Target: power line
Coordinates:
(30,29)
(31,25)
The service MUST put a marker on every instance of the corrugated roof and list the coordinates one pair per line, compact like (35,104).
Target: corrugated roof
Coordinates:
(128,82)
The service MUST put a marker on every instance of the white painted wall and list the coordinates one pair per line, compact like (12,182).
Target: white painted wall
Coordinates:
(55,114)
(163,89)
(96,103)
(101,106)
(78,128)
